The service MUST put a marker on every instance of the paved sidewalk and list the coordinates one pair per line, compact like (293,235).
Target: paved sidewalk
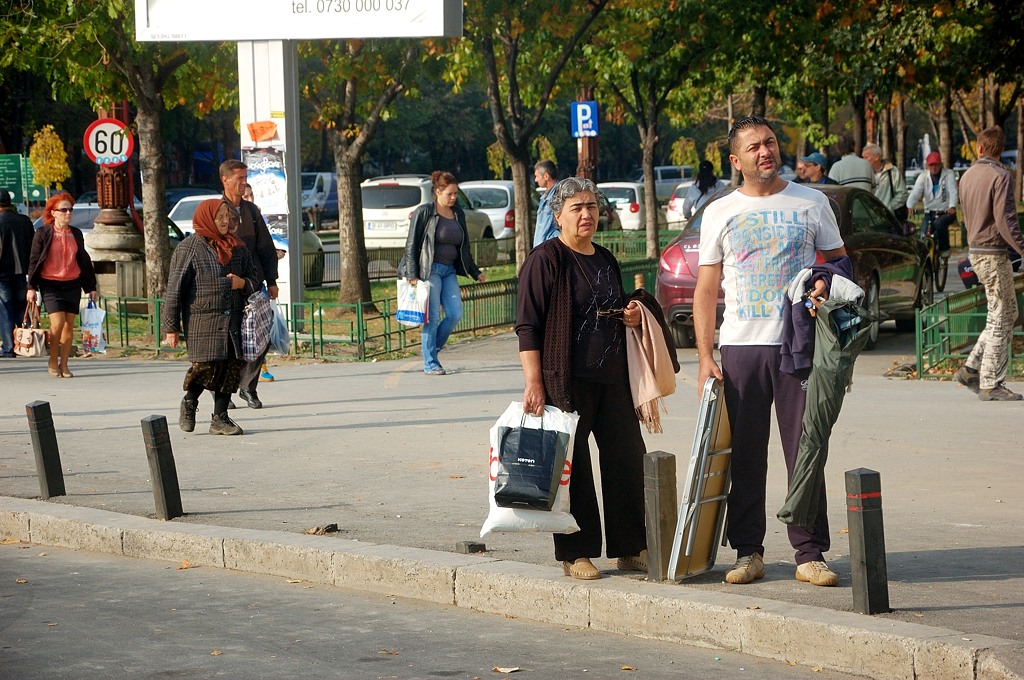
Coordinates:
(397,459)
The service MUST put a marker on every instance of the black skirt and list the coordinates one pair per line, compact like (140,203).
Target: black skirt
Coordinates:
(216,376)
(61,296)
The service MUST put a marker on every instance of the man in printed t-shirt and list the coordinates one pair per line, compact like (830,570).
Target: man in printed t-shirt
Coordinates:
(755,240)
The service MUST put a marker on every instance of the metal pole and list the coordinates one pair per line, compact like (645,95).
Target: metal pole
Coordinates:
(867,541)
(44,441)
(166,493)
(660,504)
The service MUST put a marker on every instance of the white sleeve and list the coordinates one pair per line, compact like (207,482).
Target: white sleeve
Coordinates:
(711,251)
(954,195)
(828,236)
(917,192)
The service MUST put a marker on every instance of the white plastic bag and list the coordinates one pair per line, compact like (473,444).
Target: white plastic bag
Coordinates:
(413,302)
(93,337)
(557,520)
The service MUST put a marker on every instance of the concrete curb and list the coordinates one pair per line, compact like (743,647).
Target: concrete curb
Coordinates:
(843,641)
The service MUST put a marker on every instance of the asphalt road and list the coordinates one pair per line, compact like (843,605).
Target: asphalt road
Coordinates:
(83,615)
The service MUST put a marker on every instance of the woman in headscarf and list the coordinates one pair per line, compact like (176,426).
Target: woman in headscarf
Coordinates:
(211,277)
(704,187)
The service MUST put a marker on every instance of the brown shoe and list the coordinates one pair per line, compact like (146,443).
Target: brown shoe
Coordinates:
(999,393)
(634,563)
(582,569)
(968,378)
(747,569)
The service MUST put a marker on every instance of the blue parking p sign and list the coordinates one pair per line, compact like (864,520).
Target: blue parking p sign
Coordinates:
(584,119)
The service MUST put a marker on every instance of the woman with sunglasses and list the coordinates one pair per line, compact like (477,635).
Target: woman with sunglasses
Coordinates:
(60,269)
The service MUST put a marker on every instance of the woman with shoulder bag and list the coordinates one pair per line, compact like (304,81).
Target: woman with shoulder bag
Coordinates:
(60,269)
(437,249)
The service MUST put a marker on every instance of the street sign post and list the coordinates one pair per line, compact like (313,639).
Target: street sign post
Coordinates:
(17,178)
(584,119)
(108,142)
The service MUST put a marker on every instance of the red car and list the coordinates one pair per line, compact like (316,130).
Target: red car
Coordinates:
(893,269)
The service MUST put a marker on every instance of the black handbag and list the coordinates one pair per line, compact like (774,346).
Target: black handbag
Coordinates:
(530,463)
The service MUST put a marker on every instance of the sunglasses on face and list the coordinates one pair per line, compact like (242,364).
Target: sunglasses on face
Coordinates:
(63,210)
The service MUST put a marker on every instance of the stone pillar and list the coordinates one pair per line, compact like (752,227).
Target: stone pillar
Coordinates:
(114,238)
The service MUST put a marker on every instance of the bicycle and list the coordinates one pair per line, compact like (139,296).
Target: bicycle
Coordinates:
(939,259)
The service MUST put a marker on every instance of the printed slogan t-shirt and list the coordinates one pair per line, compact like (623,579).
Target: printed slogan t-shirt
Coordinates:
(762,243)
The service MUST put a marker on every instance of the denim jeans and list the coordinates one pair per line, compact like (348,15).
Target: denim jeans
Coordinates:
(12,308)
(444,292)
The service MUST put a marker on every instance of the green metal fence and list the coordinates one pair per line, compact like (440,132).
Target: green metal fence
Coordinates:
(347,331)
(946,330)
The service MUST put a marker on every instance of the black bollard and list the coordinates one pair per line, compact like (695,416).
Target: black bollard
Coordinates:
(660,503)
(44,441)
(867,541)
(161,467)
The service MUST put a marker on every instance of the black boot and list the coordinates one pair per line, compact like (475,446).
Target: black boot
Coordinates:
(187,413)
(222,424)
(250,398)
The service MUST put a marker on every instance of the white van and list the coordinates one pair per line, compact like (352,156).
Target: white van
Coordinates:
(666,179)
(320,190)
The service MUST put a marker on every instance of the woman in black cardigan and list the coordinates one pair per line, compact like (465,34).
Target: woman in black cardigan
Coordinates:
(60,269)
(571,321)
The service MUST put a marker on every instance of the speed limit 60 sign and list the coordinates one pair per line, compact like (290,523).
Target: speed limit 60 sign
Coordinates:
(108,142)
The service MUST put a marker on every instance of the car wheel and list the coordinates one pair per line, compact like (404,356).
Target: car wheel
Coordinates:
(684,336)
(315,276)
(874,309)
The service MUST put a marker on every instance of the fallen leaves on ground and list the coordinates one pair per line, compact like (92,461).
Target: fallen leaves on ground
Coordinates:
(844,531)
(21,580)
(293,580)
(320,531)
(216,652)
(389,652)
(502,669)
(628,668)
(185,564)
(10,541)
(753,606)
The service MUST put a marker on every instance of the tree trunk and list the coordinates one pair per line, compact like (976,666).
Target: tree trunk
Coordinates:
(885,131)
(522,181)
(1018,189)
(858,102)
(354,284)
(899,124)
(153,164)
(759,103)
(945,128)
(825,120)
(870,120)
(648,142)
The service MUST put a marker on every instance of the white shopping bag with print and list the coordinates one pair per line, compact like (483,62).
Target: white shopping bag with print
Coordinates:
(557,520)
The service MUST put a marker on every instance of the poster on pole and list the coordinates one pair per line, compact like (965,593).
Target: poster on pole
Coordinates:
(270,194)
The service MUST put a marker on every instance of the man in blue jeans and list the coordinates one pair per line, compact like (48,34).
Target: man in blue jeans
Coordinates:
(16,234)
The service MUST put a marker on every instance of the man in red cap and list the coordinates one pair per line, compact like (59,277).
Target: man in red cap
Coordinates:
(937,189)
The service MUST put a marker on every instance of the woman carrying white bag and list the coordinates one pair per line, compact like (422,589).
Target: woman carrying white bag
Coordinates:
(571,322)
